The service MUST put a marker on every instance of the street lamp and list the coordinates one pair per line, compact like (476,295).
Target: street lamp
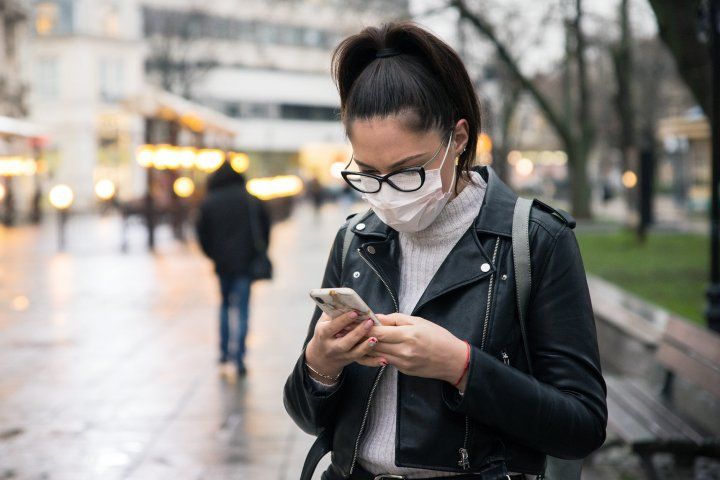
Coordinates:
(61,198)
(712,311)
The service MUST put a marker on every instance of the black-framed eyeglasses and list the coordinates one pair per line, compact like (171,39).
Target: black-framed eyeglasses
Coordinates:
(407,179)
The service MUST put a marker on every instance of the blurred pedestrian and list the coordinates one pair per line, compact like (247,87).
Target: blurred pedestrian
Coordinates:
(451,382)
(231,224)
(315,190)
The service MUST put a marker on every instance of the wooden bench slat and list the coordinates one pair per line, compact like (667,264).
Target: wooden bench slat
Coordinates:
(624,424)
(661,410)
(638,410)
(651,415)
(704,342)
(689,368)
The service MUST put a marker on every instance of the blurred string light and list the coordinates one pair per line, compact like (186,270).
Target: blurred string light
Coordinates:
(105,189)
(629,179)
(239,161)
(186,156)
(275,187)
(184,187)
(3,192)
(169,157)
(61,197)
(524,167)
(16,166)
(209,159)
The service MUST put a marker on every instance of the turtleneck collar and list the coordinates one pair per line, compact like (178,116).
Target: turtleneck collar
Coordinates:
(457,215)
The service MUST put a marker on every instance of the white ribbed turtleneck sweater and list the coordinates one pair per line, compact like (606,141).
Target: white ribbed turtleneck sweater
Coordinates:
(421,254)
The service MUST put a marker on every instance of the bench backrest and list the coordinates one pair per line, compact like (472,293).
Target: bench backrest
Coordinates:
(692,353)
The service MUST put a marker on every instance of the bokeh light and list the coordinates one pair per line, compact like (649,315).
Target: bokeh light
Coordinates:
(61,197)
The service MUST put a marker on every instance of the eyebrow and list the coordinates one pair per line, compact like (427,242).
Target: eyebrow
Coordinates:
(394,165)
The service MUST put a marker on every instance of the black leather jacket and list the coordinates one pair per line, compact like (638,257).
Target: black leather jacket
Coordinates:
(505,414)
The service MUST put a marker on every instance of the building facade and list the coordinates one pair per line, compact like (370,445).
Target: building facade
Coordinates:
(85,61)
(267,65)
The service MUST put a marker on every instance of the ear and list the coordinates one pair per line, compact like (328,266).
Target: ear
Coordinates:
(460,136)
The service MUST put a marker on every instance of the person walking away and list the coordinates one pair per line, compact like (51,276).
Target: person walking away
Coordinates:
(228,218)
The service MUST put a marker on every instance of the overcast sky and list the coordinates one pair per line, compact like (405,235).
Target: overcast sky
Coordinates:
(544,43)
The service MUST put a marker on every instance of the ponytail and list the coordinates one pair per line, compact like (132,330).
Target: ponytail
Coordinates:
(401,68)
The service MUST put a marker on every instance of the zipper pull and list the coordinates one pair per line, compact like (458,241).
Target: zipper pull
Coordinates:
(464,459)
(505,357)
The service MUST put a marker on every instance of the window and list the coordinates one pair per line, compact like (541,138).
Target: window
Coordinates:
(309,112)
(111,80)
(53,17)
(47,79)
(111,21)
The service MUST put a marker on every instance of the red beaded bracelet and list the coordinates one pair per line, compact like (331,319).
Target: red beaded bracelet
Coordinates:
(467,364)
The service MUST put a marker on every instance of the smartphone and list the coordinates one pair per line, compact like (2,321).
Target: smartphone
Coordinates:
(336,301)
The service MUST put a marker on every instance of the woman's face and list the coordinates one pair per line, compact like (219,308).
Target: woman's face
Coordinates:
(384,145)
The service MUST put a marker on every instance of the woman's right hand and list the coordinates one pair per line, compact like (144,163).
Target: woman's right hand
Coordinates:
(328,353)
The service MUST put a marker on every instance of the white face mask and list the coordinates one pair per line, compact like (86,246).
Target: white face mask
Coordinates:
(412,211)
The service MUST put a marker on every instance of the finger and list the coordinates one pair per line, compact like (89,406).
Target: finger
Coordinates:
(394,349)
(343,332)
(396,319)
(335,325)
(397,362)
(390,334)
(370,361)
(363,348)
(344,320)
(360,331)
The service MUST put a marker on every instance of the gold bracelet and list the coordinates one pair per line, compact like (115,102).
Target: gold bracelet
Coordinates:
(323,375)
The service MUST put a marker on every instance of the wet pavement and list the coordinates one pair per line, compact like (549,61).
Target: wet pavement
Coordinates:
(108,360)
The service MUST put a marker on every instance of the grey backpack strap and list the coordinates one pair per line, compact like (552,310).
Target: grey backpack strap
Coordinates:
(521,260)
(555,468)
(349,235)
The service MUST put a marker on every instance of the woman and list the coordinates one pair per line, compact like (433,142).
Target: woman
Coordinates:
(441,389)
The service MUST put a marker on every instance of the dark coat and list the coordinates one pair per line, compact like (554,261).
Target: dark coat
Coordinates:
(223,226)
(505,415)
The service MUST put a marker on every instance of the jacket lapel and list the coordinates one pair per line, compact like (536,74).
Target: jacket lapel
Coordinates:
(461,267)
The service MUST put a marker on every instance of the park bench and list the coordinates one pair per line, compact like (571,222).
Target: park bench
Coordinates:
(646,419)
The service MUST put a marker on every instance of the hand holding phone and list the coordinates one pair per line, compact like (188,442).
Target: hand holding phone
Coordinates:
(336,301)
(345,337)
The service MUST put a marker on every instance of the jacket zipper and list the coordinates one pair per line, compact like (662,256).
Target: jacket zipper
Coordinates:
(505,358)
(464,461)
(379,374)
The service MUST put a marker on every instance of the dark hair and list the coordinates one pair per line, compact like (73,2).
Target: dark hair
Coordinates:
(224,176)
(416,74)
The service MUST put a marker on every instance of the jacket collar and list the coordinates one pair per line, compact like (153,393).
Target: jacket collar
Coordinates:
(496,212)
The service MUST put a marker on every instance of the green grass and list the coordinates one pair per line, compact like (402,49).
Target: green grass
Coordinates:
(670,269)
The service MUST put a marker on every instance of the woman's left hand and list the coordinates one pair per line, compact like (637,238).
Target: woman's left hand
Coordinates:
(419,347)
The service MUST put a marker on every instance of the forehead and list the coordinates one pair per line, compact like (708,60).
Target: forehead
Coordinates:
(388,140)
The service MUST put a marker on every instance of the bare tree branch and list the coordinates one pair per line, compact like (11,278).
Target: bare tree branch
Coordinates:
(561,127)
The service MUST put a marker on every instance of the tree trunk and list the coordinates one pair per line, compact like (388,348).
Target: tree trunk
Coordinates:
(623,68)
(582,189)
(679,27)
(579,184)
